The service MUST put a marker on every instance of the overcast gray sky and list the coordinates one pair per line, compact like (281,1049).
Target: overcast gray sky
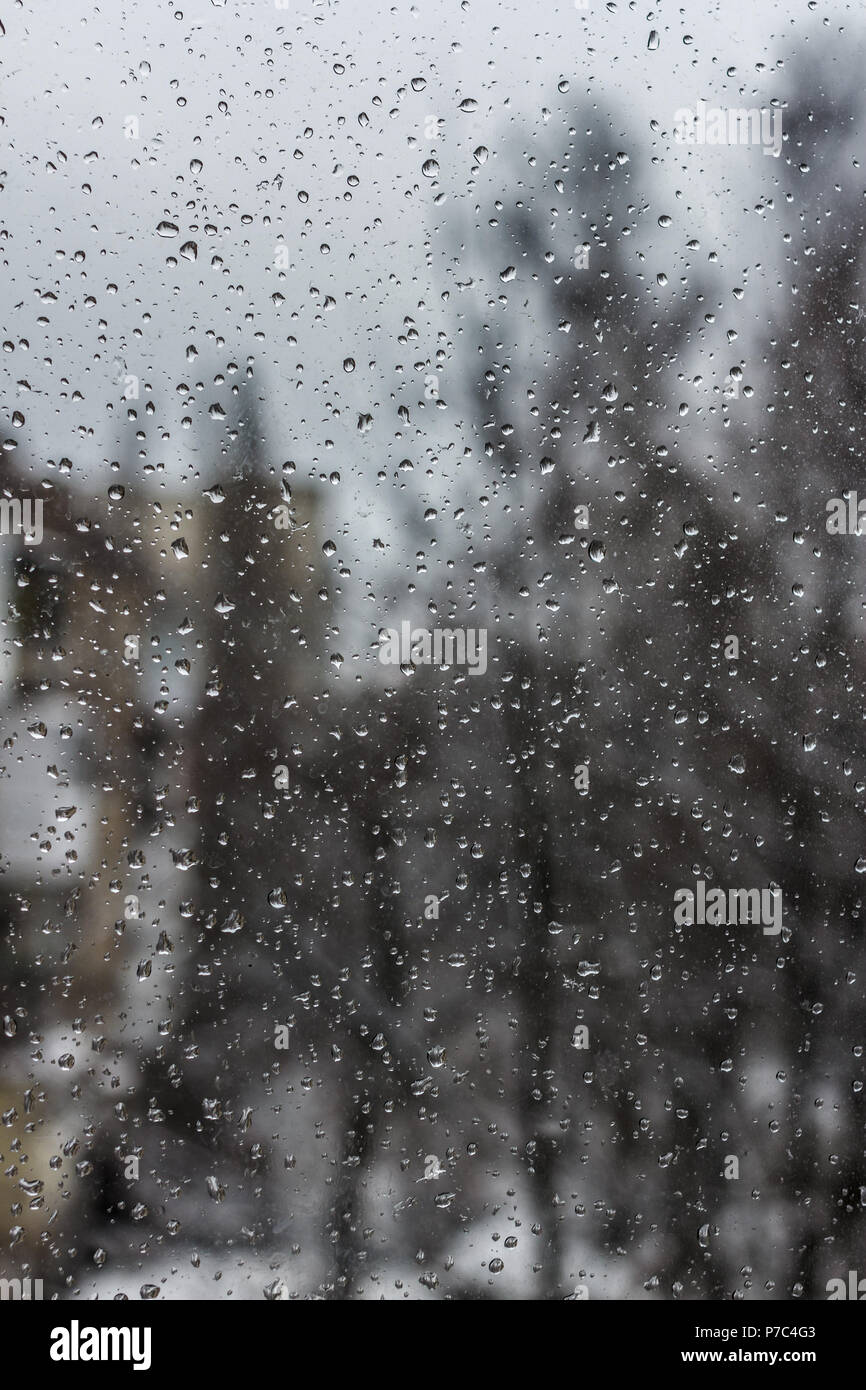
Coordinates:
(309,127)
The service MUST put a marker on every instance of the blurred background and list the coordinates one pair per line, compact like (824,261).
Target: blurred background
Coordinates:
(326,979)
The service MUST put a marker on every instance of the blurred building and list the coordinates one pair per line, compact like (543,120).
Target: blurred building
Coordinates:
(119,627)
